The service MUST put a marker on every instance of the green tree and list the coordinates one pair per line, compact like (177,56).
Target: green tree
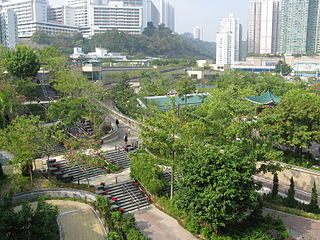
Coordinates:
(313,205)
(28,223)
(144,168)
(294,122)
(50,137)
(275,187)
(68,110)
(149,30)
(291,202)
(26,88)
(71,84)
(22,62)
(10,101)
(216,184)
(283,68)
(21,139)
(160,133)
(52,59)
(185,85)
(40,37)
(123,95)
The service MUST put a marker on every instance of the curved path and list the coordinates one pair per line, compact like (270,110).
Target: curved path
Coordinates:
(78,221)
(157,225)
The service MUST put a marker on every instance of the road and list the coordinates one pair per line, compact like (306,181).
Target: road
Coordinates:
(298,227)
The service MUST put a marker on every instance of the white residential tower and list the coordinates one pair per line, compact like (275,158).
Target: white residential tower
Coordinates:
(228,40)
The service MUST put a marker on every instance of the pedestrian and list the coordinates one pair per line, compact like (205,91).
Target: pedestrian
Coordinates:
(125,138)
(117,123)
(129,130)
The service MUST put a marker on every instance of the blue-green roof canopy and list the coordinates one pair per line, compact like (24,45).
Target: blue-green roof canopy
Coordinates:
(265,99)
(164,102)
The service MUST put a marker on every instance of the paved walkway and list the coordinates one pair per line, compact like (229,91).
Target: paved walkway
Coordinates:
(78,221)
(298,227)
(157,225)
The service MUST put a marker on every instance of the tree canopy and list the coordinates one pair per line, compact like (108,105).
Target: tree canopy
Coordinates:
(155,42)
(216,184)
(22,62)
(294,122)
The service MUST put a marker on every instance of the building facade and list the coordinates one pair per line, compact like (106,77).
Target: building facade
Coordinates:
(114,16)
(61,15)
(228,41)
(153,14)
(8,29)
(28,10)
(263,26)
(167,14)
(299,26)
(198,33)
(32,15)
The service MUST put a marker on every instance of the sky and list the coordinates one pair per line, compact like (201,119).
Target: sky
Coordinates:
(203,13)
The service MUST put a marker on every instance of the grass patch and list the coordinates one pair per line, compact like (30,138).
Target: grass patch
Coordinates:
(293,211)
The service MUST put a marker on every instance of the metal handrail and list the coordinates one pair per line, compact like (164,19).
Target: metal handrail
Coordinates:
(133,197)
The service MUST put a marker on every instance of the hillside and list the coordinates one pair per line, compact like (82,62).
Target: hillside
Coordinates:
(153,42)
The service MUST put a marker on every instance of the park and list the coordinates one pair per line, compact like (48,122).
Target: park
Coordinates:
(172,158)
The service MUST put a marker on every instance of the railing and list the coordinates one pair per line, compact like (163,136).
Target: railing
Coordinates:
(133,197)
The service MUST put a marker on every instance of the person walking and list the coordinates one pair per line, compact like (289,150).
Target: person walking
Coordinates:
(125,138)
(117,123)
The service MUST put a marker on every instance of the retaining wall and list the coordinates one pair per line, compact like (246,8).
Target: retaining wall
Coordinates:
(55,192)
(303,177)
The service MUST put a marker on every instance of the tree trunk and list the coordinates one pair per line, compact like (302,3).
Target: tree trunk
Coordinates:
(30,172)
(1,172)
(172,176)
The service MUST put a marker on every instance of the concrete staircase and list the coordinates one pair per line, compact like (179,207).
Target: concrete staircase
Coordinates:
(126,196)
(68,173)
(118,157)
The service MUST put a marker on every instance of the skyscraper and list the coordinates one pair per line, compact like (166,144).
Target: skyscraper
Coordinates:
(263,26)
(198,33)
(167,14)
(228,40)
(8,28)
(150,11)
(299,26)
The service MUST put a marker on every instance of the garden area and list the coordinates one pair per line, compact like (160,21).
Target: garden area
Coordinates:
(212,150)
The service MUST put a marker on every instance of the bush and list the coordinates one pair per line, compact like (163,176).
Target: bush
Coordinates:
(145,170)
(113,236)
(134,234)
(28,223)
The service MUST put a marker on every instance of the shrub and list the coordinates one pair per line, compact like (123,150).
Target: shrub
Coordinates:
(145,170)
(113,236)
(28,223)
(134,234)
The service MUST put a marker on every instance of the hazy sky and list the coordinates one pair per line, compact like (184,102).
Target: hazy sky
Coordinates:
(203,13)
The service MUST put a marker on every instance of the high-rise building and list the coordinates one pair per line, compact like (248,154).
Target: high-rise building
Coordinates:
(8,29)
(153,14)
(80,11)
(263,26)
(299,26)
(228,40)
(167,14)
(198,33)
(114,16)
(61,14)
(32,15)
